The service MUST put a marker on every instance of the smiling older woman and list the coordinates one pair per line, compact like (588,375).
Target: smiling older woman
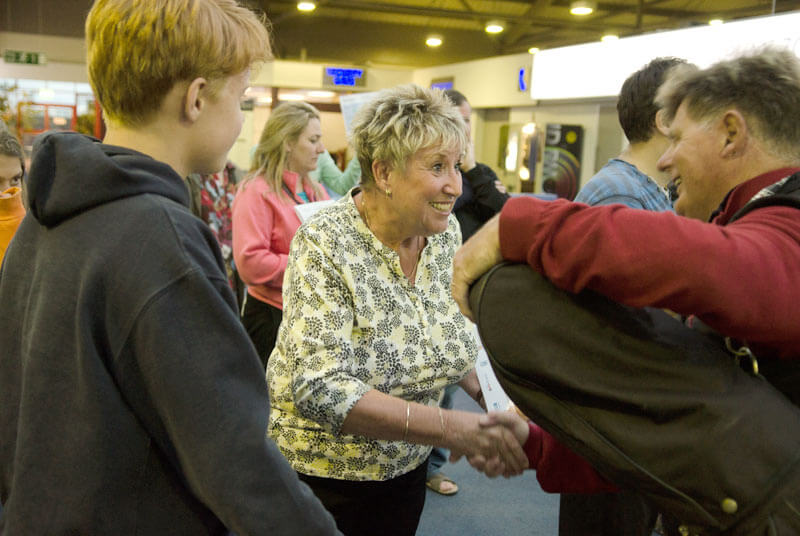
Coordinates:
(371,335)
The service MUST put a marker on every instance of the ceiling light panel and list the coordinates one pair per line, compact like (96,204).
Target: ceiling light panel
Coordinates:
(582,8)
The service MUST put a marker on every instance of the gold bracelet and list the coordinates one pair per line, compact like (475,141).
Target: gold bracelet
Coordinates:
(441,423)
(408,414)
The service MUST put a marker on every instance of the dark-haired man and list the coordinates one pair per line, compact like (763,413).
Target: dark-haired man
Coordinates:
(632,179)
(482,193)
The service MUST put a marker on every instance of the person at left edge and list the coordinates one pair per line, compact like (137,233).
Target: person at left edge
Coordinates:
(264,219)
(12,169)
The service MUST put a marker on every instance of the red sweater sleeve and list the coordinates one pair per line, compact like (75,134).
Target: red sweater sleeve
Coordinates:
(558,469)
(739,279)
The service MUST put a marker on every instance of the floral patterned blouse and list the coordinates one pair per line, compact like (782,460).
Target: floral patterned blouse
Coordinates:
(352,322)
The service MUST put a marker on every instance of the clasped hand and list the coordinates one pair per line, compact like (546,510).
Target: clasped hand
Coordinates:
(494,446)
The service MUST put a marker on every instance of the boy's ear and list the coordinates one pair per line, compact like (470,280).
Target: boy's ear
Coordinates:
(195,99)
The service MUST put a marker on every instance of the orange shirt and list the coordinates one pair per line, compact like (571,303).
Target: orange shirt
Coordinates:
(11,213)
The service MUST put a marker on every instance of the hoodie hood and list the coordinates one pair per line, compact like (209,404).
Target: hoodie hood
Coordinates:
(71,173)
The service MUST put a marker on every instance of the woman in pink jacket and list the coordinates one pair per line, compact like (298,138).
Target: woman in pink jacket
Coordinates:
(264,219)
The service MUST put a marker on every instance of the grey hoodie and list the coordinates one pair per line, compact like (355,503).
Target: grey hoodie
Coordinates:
(131,399)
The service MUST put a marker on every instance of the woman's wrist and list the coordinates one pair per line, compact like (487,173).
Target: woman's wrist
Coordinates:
(471,385)
(408,416)
(459,427)
(442,425)
(432,425)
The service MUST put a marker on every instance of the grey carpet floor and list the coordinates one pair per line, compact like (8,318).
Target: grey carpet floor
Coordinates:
(488,507)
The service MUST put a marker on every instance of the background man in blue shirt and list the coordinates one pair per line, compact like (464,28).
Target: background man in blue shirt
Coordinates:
(632,179)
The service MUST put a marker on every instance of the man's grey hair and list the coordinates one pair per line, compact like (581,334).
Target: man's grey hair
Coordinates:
(764,86)
(401,121)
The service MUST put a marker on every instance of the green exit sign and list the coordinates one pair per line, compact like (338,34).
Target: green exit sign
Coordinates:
(27,58)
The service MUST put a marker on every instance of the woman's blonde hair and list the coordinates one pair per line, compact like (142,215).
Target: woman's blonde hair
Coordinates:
(284,126)
(137,50)
(399,122)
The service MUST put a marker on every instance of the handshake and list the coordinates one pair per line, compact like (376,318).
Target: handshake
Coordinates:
(493,442)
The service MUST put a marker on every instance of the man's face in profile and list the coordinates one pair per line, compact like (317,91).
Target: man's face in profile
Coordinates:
(691,163)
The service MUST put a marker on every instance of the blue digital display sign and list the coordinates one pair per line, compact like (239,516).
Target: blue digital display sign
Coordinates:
(339,76)
(442,85)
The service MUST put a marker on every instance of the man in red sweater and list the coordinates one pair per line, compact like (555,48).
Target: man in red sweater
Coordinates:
(729,259)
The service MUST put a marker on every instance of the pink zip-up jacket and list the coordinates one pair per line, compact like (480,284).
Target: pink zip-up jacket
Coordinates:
(264,223)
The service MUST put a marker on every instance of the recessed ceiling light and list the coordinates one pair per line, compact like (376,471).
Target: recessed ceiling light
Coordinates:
(306,6)
(433,40)
(291,97)
(533,50)
(715,22)
(581,8)
(609,37)
(494,27)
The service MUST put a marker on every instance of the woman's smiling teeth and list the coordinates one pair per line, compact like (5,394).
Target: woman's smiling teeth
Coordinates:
(442,207)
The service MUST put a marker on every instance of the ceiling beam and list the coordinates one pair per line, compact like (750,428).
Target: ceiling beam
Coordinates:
(526,28)
(464,3)
(449,14)
(650,8)
(516,30)
(400,9)
(647,9)
(725,14)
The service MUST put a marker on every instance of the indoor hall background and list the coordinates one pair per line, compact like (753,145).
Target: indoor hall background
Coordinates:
(393,32)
